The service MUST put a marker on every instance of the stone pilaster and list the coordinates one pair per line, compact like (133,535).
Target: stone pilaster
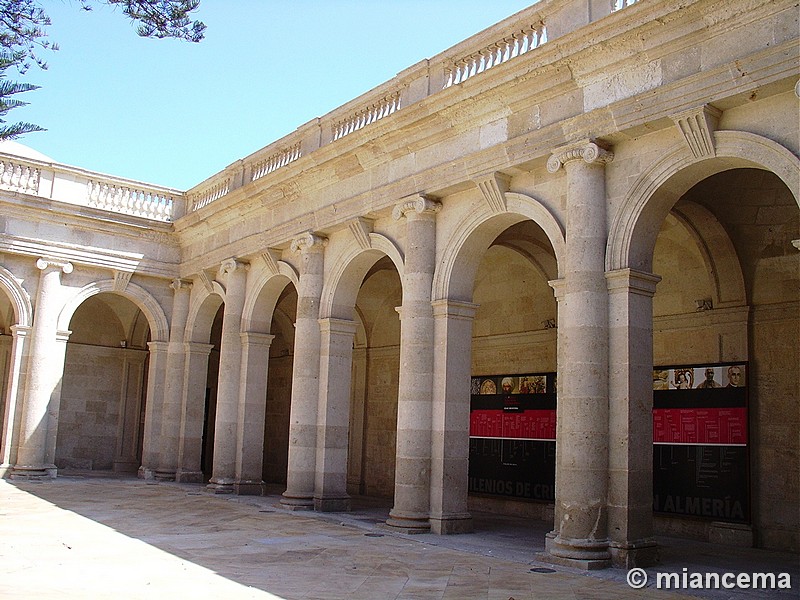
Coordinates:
(45,372)
(252,413)
(452,332)
(173,383)
(151,440)
(412,483)
(333,414)
(630,387)
(13,399)
(580,535)
(300,475)
(230,366)
(193,412)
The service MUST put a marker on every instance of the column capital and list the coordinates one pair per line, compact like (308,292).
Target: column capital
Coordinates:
(233,264)
(180,284)
(309,242)
(197,348)
(454,308)
(419,204)
(633,281)
(44,263)
(589,150)
(559,287)
(20,331)
(252,338)
(340,326)
(156,347)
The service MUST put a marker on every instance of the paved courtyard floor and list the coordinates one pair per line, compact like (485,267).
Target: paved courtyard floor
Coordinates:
(108,537)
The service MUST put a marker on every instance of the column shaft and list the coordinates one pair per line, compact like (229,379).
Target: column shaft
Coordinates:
(45,372)
(230,366)
(13,399)
(173,383)
(581,515)
(412,482)
(156,373)
(300,474)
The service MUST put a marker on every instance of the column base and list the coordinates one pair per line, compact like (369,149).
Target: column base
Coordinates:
(452,524)
(587,555)
(332,504)
(247,487)
(297,502)
(146,473)
(627,555)
(164,475)
(184,476)
(409,523)
(220,485)
(33,473)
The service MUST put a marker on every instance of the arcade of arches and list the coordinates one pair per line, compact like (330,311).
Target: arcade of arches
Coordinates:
(337,355)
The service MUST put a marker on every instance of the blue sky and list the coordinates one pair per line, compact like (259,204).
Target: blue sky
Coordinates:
(174,113)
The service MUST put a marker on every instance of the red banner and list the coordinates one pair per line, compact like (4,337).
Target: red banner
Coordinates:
(727,426)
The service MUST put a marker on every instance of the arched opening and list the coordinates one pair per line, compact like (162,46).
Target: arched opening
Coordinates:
(103,394)
(7,320)
(279,389)
(726,317)
(374,387)
(512,416)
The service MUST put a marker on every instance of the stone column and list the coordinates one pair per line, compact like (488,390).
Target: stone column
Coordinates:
(193,412)
(45,372)
(230,368)
(300,473)
(13,398)
(156,373)
(252,413)
(580,537)
(412,479)
(333,414)
(450,416)
(630,389)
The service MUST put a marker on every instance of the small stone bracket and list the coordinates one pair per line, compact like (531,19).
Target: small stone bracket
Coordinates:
(121,280)
(361,228)
(494,187)
(697,126)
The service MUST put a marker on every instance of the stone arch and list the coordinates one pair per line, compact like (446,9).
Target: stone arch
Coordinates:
(157,319)
(456,272)
(259,305)
(636,225)
(202,309)
(20,300)
(718,252)
(341,289)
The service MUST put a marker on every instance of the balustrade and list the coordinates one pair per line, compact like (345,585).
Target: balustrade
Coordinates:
(620,4)
(149,204)
(275,161)
(375,112)
(516,44)
(19,177)
(207,194)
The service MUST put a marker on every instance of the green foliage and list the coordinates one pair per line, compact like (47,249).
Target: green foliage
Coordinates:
(23,37)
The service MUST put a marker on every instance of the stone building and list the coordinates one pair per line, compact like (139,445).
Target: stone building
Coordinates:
(597,196)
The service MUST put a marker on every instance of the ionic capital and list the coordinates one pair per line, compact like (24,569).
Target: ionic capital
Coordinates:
(180,284)
(45,263)
(230,265)
(589,151)
(419,204)
(309,242)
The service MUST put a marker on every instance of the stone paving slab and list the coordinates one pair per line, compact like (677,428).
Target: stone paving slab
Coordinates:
(126,538)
